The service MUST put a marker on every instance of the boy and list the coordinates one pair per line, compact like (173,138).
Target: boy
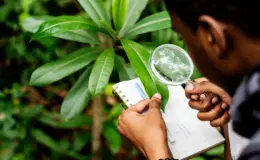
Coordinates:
(223,38)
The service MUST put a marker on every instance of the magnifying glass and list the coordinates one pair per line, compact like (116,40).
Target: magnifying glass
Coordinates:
(171,65)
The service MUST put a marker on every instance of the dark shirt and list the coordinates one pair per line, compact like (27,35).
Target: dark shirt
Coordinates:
(245,114)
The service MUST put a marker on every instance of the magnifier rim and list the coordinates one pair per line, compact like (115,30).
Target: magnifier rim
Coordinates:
(174,47)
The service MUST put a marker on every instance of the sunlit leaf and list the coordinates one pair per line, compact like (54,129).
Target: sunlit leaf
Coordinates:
(115,111)
(32,24)
(139,58)
(54,71)
(135,9)
(78,97)
(152,23)
(59,25)
(96,11)
(101,72)
(120,8)
(124,70)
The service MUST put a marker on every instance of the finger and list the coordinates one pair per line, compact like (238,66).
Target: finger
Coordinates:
(120,130)
(213,114)
(221,121)
(198,80)
(155,104)
(195,97)
(188,95)
(207,103)
(202,97)
(215,100)
(141,106)
(205,86)
(202,106)
(224,106)
(189,86)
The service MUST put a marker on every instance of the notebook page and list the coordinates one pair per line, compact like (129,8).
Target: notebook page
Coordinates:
(131,91)
(191,135)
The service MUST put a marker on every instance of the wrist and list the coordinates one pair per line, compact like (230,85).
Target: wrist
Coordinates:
(158,152)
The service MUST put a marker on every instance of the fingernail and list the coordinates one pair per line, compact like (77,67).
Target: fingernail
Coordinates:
(214,100)
(202,97)
(157,95)
(195,97)
(189,86)
(224,105)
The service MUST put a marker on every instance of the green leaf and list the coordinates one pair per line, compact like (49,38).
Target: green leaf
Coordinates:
(164,91)
(115,111)
(26,4)
(139,58)
(81,139)
(198,158)
(135,9)
(150,46)
(101,72)
(120,8)
(216,151)
(79,36)
(124,70)
(50,119)
(196,74)
(62,24)
(152,23)
(44,139)
(78,121)
(54,71)
(96,11)
(32,24)
(113,138)
(108,29)
(78,97)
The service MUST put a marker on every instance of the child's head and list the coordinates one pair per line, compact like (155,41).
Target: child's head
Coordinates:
(220,34)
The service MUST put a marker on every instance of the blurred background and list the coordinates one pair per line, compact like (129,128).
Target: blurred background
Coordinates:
(30,123)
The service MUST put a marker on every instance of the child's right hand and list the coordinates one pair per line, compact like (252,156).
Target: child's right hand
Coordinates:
(211,101)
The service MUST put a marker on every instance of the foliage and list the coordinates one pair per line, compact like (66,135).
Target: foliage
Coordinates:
(98,25)
(30,125)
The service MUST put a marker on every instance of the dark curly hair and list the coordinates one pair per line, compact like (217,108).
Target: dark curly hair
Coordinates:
(244,14)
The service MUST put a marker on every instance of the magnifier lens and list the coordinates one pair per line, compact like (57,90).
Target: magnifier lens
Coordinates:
(171,64)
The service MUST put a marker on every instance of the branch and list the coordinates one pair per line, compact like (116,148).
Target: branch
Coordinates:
(97,128)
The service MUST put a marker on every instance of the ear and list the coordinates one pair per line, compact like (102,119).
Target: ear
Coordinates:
(212,36)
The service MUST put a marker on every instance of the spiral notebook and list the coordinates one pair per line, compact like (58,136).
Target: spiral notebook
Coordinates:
(187,136)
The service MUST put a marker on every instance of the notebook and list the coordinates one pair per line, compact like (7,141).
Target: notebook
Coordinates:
(187,136)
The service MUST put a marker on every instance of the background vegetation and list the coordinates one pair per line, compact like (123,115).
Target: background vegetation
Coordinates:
(31,126)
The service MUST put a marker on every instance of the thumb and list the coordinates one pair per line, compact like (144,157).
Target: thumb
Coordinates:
(141,106)
(155,103)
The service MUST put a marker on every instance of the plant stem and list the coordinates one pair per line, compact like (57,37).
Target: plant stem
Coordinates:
(97,127)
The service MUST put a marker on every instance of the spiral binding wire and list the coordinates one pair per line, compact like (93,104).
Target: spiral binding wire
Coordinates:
(121,96)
